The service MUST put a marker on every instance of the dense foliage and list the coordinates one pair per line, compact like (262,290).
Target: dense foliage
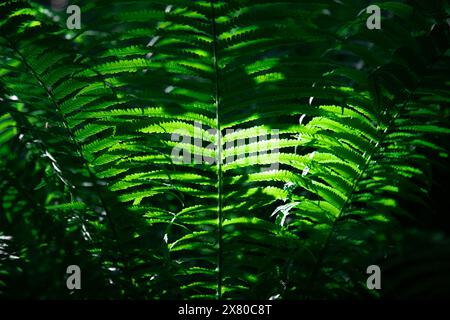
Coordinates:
(87,125)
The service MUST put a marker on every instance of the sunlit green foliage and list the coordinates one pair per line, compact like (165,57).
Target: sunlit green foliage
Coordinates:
(87,178)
